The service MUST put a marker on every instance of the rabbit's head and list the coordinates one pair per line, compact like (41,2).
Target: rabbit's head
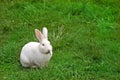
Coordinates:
(45,46)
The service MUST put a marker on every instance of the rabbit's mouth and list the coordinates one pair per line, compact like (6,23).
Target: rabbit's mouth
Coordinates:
(47,52)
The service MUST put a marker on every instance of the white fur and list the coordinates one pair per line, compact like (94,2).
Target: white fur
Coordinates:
(45,32)
(34,54)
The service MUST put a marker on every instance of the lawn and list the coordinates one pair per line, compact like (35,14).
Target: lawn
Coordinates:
(85,35)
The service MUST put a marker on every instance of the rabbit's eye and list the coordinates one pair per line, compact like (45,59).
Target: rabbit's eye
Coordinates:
(43,44)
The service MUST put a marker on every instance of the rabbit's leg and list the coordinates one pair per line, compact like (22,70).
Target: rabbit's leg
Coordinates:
(24,61)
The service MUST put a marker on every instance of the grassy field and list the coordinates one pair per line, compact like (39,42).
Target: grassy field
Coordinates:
(85,35)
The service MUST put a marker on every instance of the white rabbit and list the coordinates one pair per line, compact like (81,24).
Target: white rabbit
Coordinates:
(37,54)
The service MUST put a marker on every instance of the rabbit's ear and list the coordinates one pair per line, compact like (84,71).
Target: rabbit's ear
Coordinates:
(38,35)
(45,32)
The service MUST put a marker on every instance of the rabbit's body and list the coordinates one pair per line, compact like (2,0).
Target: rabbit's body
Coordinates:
(36,54)
(31,58)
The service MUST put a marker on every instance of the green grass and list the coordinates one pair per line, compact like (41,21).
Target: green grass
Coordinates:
(85,35)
